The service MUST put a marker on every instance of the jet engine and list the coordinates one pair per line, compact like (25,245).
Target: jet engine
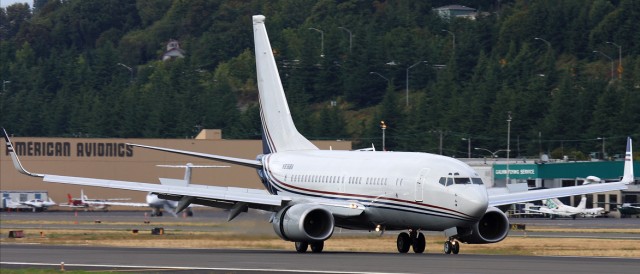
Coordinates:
(492,228)
(303,223)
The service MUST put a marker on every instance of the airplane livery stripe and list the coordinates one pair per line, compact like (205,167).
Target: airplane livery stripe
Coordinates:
(361,198)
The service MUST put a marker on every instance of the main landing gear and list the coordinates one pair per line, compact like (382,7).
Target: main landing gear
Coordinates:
(316,247)
(413,239)
(451,246)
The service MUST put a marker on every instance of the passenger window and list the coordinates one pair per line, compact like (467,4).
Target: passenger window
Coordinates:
(462,181)
(443,181)
(477,181)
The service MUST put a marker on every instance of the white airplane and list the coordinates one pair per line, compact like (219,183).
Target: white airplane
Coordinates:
(92,204)
(35,204)
(312,191)
(554,207)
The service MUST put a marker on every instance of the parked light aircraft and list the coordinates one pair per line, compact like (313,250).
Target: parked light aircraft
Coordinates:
(311,191)
(554,207)
(156,204)
(92,204)
(35,204)
(628,209)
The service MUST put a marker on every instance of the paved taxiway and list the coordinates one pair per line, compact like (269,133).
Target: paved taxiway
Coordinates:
(287,261)
(230,260)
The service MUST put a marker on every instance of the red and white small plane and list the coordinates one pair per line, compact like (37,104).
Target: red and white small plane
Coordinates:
(97,204)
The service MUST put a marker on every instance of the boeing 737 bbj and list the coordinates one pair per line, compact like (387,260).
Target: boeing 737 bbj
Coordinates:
(312,191)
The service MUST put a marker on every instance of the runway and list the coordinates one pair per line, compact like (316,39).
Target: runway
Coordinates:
(276,261)
(211,260)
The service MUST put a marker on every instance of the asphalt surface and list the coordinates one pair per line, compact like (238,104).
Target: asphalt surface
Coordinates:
(230,261)
(172,260)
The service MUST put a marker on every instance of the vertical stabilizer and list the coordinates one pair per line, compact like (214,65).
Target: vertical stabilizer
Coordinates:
(279,132)
(628,176)
(583,203)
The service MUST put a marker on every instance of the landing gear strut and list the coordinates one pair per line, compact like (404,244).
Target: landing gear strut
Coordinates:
(413,239)
(451,246)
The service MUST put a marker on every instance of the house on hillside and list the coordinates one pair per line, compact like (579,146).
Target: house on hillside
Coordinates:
(456,11)
(173,51)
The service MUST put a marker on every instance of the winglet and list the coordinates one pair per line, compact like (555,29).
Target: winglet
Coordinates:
(14,156)
(628,176)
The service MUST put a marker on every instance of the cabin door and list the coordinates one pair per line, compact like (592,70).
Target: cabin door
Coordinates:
(422,179)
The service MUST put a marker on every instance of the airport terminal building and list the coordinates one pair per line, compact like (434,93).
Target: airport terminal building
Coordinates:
(561,174)
(113,159)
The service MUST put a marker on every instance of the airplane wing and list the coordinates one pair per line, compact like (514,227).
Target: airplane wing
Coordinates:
(541,194)
(233,198)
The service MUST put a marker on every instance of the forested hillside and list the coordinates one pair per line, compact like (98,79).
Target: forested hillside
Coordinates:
(93,68)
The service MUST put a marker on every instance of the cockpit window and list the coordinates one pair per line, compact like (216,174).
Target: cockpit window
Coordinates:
(443,181)
(462,181)
(477,181)
(449,181)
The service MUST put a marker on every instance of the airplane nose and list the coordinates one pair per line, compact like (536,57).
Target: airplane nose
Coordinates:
(475,200)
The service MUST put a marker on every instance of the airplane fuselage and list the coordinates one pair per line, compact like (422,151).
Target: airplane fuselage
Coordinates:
(399,189)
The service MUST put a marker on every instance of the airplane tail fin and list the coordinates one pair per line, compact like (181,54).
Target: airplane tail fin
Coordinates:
(82,196)
(583,203)
(278,130)
(70,198)
(628,176)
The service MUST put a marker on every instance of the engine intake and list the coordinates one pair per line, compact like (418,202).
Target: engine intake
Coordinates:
(303,223)
(492,228)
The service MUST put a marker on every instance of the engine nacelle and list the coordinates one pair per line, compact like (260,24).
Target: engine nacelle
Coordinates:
(492,228)
(304,223)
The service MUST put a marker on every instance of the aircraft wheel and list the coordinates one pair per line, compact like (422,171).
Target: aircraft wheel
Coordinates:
(301,247)
(447,247)
(317,247)
(455,247)
(419,243)
(159,214)
(404,242)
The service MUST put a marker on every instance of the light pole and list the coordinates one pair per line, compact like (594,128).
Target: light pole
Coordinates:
(494,154)
(407,80)
(130,70)
(4,85)
(350,37)
(383,126)
(468,146)
(375,73)
(610,59)
(508,142)
(602,138)
(454,38)
(619,58)
(545,41)
(321,41)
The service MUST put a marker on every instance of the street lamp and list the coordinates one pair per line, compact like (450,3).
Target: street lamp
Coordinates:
(468,146)
(494,154)
(619,58)
(610,59)
(545,41)
(407,80)
(321,41)
(129,68)
(454,38)
(388,82)
(350,37)
(4,85)
(602,138)
(383,126)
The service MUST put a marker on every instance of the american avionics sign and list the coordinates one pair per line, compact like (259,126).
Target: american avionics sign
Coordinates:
(516,171)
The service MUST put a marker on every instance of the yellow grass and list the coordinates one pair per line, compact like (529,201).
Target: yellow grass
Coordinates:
(358,243)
